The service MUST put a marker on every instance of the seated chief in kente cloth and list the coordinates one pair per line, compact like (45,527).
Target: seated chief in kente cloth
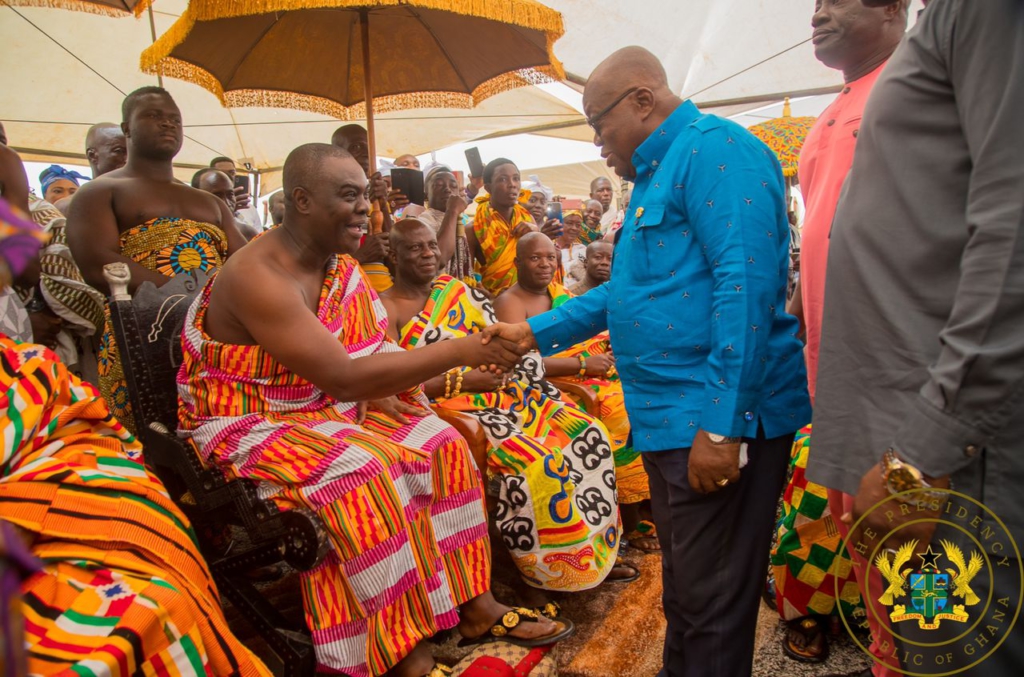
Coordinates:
(556,498)
(122,589)
(271,386)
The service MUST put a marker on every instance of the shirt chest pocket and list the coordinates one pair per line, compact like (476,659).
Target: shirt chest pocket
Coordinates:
(653,244)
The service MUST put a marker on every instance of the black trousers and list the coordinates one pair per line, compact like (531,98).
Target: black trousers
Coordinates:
(715,558)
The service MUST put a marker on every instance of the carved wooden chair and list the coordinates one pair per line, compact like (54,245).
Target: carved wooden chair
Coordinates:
(147,328)
(578,393)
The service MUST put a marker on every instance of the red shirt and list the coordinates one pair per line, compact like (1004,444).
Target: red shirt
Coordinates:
(825,161)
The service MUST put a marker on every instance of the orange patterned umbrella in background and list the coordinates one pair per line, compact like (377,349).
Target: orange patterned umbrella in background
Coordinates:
(113,7)
(785,136)
(324,56)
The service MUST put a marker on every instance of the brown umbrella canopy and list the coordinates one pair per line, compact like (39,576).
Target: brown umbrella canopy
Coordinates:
(95,6)
(308,54)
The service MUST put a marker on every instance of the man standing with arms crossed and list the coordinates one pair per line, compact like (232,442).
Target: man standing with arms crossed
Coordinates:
(708,358)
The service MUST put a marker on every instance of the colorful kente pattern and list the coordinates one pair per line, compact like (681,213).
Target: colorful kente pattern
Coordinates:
(809,555)
(169,246)
(629,467)
(123,589)
(553,462)
(402,504)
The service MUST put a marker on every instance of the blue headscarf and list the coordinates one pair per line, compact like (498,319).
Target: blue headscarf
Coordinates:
(56,173)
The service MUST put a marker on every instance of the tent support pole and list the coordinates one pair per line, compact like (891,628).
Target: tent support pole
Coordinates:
(364,27)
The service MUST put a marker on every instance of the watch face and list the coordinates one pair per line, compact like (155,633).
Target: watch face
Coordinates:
(902,479)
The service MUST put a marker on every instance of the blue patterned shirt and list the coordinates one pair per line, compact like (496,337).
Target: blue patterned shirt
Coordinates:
(695,305)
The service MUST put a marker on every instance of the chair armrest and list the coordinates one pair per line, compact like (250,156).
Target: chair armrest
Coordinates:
(581,394)
(470,428)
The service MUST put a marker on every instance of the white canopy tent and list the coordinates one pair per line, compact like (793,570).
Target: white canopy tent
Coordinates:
(62,71)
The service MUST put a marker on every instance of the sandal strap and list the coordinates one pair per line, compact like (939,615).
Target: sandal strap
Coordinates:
(512,619)
(551,610)
(440,670)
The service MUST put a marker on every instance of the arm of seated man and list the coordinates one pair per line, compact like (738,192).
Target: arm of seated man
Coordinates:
(281,322)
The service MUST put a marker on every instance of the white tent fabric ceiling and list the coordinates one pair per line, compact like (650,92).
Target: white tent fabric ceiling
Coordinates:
(62,71)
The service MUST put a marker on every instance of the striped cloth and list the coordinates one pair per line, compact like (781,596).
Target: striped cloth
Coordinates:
(553,462)
(403,504)
(123,589)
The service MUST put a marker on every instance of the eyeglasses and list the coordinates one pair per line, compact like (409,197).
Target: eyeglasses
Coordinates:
(593,121)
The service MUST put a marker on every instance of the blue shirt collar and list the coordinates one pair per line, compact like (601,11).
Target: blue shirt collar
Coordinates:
(650,154)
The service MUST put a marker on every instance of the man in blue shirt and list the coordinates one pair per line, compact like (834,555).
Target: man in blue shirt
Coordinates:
(709,360)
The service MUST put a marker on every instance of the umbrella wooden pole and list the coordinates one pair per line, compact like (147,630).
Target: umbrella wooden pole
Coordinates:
(364,28)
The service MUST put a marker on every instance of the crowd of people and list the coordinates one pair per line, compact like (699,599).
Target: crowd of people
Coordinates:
(644,376)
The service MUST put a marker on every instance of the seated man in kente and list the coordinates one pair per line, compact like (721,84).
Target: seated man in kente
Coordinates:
(590,363)
(556,500)
(123,589)
(142,216)
(280,348)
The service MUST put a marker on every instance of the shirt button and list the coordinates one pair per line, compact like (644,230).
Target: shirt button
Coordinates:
(846,90)
(749,416)
(855,132)
(830,123)
(971,450)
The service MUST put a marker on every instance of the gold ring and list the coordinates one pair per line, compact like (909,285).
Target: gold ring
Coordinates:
(722,482)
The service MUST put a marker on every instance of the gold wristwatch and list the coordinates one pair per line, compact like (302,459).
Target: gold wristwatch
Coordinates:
(899,476)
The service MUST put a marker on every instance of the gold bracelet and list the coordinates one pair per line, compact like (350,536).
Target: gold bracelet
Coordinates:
(447,385)
(583,366)
(458,384)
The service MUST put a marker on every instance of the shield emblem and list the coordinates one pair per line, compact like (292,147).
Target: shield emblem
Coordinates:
(929,592)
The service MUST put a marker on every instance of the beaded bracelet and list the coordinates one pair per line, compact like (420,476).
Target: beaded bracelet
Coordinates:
(583,366)
(447,384)
(458,383)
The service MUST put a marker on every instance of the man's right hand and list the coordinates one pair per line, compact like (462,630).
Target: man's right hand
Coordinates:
(378,188)
(520,334)
(599,365)
(457,203)
(523,228)
(375,249)
(493,352)
(553,228)
(242,198)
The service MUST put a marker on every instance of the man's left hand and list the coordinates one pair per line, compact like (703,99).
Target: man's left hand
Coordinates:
(712,463)
(891,515)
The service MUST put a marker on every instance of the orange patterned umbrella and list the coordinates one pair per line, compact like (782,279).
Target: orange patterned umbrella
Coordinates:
(785,136)
(318,55)
(114,7)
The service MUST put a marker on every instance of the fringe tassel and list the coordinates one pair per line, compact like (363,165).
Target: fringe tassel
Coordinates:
(86,6)
(268,98)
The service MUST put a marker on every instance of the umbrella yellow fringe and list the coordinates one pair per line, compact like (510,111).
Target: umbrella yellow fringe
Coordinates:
(157,58)
(81,6)
(266,98)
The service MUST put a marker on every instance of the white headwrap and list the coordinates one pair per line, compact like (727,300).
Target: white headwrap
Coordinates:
(534,186)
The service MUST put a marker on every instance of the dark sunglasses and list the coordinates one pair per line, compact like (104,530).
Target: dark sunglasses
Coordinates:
(593,121)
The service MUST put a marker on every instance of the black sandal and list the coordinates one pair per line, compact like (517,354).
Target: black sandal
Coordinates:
(511,620)
(810,631)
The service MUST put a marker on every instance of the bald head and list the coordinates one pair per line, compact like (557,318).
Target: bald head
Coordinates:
(106,148)
(276,206)
(408,160)
(218,184)
(536,261)
(303,166)
(404,229)
(353,138)
(625,100)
